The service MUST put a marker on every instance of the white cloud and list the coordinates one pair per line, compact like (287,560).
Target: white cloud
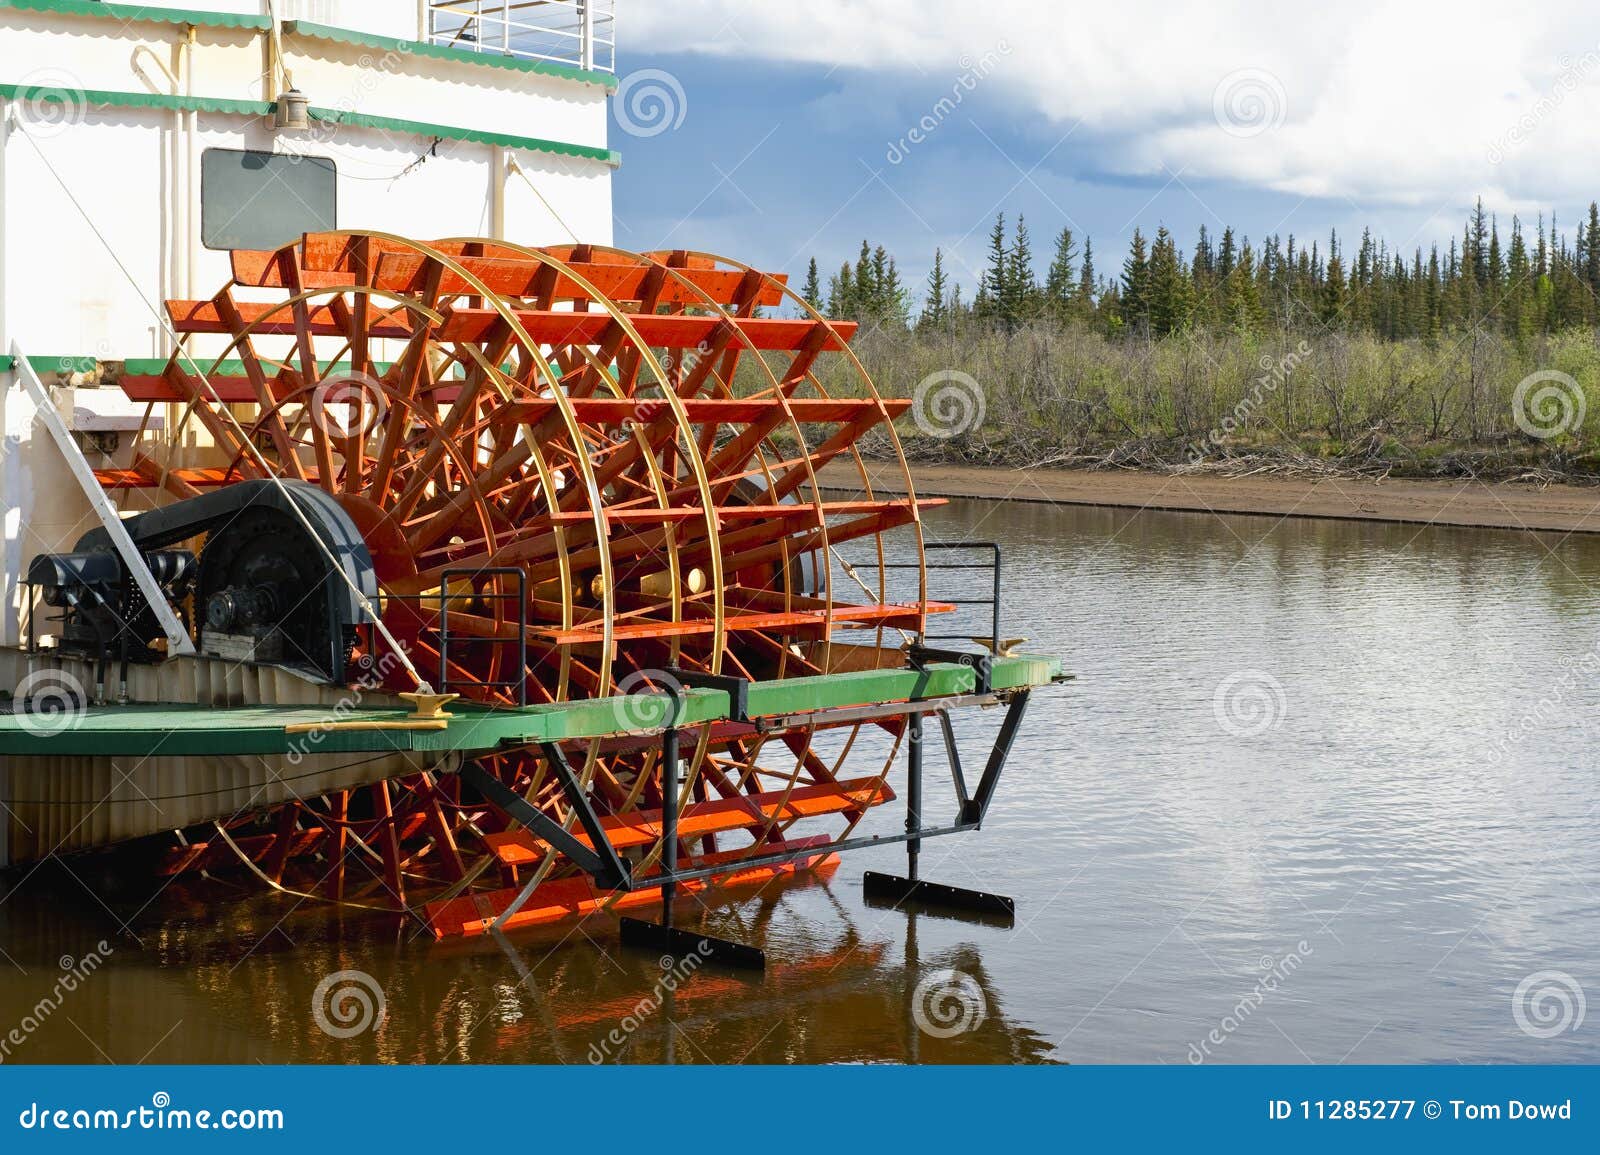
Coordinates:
(1419,103)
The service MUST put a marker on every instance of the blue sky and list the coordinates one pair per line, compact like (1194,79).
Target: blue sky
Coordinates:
(787,130)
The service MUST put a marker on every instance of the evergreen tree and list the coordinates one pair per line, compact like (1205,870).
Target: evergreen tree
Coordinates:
(1334,290)
(1226,254)
(1170,289)
(1135,305)
(992,293)
(1087,289)
(1061,281)
(1591,272)
(1021,301)
(935,308)
(1517,310)
(1241,304)
(842,293)
(866,283)
(1477,246)
(813,287)
(893,303)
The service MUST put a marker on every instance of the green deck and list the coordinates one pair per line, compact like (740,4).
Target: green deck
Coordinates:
(194,731)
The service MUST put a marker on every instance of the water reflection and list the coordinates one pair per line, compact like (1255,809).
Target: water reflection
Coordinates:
(249,986)
(1414,823)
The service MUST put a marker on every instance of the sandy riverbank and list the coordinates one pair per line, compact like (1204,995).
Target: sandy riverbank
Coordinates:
(1503,505)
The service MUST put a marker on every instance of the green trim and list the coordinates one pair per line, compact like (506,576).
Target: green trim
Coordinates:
(199,731)
(160,100)
(155,366)
(505,140)
(194,731)
(53,364)
(129,13)
(325,115)
(443,52)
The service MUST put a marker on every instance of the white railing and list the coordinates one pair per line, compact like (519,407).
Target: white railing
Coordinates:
(577,32)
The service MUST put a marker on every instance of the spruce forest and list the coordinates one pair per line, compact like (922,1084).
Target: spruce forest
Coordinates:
(1236,355)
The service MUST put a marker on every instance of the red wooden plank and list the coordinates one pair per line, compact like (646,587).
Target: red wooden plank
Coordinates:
(546,326)
(671,331)
(708,410)
(574,897)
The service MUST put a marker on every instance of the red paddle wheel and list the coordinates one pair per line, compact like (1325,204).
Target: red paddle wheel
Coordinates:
(580,473)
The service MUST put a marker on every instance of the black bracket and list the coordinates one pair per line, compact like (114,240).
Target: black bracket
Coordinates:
(974,808)
(982,665)
(602,861)
(893,890)
(685,944)
(737,689)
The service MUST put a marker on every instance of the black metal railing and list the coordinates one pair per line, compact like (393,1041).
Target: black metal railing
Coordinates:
(518,597)
(992,564)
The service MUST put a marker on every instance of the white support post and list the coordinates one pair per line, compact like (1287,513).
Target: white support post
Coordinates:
(178,641)
(586,32)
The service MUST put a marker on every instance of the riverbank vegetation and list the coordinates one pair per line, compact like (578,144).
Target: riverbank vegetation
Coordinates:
(1479,359)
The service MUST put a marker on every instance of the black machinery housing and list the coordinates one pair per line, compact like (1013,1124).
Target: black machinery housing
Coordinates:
(263,589)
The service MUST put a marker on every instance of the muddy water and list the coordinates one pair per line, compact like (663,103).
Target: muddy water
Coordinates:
(1322,792)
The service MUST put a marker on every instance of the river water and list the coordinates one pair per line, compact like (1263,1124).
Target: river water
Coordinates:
(1320,792)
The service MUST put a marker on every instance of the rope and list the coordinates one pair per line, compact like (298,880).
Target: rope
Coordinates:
(511,162)
(422,683)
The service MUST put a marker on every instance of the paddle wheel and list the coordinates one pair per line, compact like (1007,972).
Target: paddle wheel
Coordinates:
(578,471)
(547,477)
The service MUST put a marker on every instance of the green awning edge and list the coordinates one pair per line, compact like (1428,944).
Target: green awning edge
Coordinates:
(139,12)
(151,366)
(53,364)
(159,100)
(443,52)
(326,115)
(477,136)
